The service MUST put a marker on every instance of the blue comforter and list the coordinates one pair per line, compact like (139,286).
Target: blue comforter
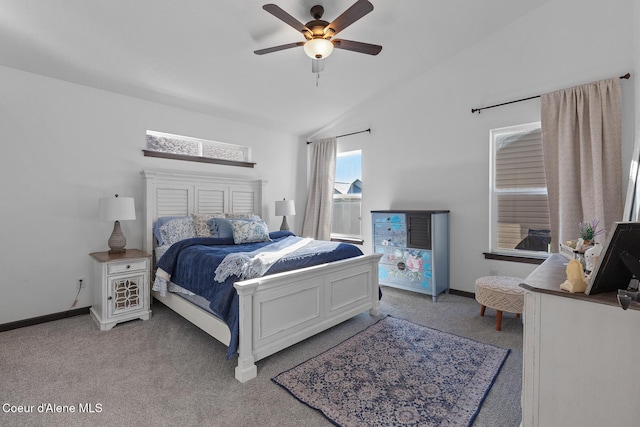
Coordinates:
(192,264)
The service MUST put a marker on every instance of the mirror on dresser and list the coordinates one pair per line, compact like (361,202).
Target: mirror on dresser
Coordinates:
(632,201)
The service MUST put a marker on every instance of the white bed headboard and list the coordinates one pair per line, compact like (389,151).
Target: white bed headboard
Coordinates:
(183,193)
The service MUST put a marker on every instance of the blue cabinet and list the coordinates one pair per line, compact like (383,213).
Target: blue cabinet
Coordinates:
(415,249)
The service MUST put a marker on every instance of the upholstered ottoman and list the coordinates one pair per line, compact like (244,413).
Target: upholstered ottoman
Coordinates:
(502,293)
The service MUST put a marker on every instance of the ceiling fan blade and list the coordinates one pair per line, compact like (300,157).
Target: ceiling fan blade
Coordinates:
(348,17)
(279,13)
(277,48)
(369,49)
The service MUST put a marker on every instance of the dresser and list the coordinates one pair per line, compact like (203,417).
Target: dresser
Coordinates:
(580,364)
(415,249)
(121,287)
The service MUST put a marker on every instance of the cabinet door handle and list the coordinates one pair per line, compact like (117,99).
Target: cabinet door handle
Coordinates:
(109,297)
(128,266)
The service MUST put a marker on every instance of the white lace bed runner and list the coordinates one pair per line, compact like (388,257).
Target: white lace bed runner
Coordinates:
(249,265)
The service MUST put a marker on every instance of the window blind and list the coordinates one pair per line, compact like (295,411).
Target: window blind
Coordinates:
(519,161)
(520,187)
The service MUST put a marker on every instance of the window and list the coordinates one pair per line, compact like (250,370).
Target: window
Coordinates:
(194,149)
(519,204)
(347,197)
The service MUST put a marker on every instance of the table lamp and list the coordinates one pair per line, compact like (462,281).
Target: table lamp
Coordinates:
(283,208)
(117,209)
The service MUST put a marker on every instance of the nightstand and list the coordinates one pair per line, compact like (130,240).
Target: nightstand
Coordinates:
(121,287)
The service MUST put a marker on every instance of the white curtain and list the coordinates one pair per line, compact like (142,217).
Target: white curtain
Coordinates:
(582,139)
(317,218)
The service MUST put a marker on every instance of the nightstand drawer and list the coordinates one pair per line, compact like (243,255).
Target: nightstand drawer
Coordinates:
(123,267)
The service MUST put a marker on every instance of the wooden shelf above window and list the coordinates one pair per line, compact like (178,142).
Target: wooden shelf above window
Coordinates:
(151,153)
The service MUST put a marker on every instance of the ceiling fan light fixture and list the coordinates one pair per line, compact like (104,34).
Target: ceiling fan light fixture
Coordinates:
(318,48)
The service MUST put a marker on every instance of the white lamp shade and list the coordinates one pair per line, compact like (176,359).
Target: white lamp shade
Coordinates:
(285,207)
(117,208)
(318,48)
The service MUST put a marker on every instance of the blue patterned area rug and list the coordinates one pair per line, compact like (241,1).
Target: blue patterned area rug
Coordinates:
(397,373)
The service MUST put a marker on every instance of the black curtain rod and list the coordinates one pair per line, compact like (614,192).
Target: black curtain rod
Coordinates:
(347,134)
(477,110)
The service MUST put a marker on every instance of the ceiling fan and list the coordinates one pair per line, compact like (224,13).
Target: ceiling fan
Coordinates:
(319,33)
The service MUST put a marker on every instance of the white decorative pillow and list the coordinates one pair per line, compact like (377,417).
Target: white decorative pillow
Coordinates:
(177,229)
(249,231)
(159,223)
(200,223)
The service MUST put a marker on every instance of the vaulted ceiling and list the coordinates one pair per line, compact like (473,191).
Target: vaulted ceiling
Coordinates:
(198,54)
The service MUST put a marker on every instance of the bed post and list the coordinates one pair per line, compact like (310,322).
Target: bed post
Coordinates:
(246,368)
(150,210)
(375,286)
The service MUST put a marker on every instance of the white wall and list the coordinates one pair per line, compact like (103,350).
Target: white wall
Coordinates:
(635,207)
(636,58)
(64,146)
(427,150)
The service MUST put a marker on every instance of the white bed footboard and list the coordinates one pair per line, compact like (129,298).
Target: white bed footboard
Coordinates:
(280,310)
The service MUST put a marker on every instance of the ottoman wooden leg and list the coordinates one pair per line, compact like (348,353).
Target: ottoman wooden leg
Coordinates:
(482,308)
(498,320)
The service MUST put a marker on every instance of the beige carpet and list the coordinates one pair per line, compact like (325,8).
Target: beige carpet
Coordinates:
(165,371)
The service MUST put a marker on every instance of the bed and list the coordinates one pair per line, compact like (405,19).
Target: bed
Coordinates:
(276,310)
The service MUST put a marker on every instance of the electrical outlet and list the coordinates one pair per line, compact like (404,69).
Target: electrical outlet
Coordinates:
(81,282)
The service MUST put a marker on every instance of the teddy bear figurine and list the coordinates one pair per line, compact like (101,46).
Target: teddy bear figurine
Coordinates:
(575,277)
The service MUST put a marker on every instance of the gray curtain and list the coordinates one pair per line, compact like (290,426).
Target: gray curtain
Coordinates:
(317,217)
(582,139)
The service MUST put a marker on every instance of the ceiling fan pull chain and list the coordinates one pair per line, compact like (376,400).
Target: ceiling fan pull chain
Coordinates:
(317,78)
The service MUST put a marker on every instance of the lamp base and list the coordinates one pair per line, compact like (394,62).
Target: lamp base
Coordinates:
(285,225)
(117,242)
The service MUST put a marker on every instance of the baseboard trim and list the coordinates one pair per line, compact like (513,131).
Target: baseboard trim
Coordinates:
(43,319)
(451,291)
(462,293)
(85,310)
